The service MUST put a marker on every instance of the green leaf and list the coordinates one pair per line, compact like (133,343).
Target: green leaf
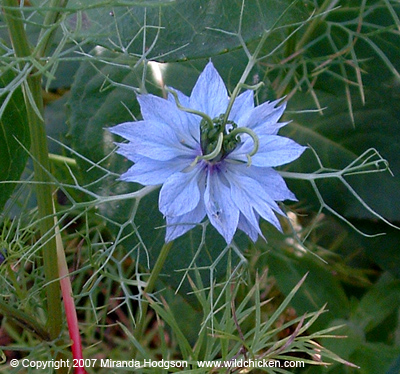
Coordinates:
(95,103)
(338,142)
(395,367)
(382,249)
(14,137)
(374,357)
(378,303)
(181,29)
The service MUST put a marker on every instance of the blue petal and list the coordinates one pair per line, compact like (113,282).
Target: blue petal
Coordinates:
(249,229)
(194,127)
(209,95)
(126,150)
(221,210)
(154,140)
(127,129)
(263,119)
(157,109)
(248,193)
(274,150)
(152,172)
(271,181)
(180,193)
(243,201)
(177,226)
(183,99)
(242,107)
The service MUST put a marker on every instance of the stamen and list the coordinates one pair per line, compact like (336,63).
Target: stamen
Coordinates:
(252,134)
(226,142)
(253,87)
(217,149)
(211,155)
(236,92)
(189,110)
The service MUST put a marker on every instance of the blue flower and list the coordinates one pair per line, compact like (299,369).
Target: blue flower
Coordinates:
(210,163)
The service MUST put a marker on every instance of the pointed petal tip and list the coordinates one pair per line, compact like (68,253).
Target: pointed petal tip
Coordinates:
(210,65)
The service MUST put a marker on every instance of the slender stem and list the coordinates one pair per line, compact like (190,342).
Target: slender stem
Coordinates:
(247,70)
(310,176)
(253,59)
(62,159)
(23,319)
(325,175)
(190,110)
(16,283)
(46,36)
(325,6)
(32,91)
(142,313)
(16,28)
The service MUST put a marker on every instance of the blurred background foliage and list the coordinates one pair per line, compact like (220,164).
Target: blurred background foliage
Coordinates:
(337,64)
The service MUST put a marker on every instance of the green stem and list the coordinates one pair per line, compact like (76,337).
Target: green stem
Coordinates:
(247,70)
(310,176)
(16,283)
(34,106)
(253,60)
(24,320)
(142,313)
(326,5)
(190,110)
(46,35)
(59,159)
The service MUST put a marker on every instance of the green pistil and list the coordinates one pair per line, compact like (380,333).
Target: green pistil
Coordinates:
(211,136)
(220,140)
(218,136)
(217,150)
(251,133)
(205,117)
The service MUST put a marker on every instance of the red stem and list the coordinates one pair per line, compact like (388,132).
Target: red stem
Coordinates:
(69,305)
(72,322)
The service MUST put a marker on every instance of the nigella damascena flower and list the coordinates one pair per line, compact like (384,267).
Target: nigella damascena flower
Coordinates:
(212,157)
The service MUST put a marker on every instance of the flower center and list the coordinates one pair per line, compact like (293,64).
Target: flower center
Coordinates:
(211,137)
(219,136)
